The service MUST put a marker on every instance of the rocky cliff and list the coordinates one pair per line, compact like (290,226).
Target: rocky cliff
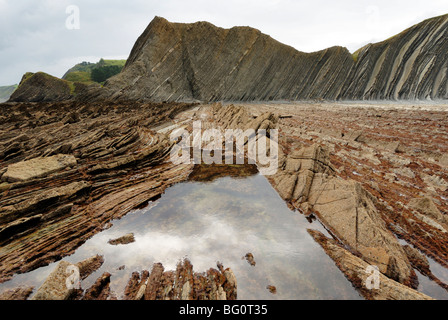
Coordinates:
(174,61)
(411,65)
(202,62)
(42,87)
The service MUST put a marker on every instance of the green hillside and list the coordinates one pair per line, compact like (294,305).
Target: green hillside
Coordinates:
(6,91)
(87,72)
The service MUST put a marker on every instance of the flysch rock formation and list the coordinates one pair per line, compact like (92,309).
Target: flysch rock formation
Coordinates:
(410,65)
(159,284)
(355,269)
(173,61)
(75,158)
(307,180)
(394,152)
(68,169)
(323,172)
(363,170)
(344,207)
(199,61)
(182,284)
(42,87)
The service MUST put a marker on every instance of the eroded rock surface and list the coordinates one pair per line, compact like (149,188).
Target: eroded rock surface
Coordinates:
(38,167)
(159,284)
(356,270)
(64,282)
(66,180)
(42,87)
(199,61)
(359,184)
(21,293)
(361,171)
(310,182)
(182,284)
(127,238)
(55,286)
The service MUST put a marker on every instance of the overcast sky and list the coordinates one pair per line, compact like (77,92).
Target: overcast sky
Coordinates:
(38,35)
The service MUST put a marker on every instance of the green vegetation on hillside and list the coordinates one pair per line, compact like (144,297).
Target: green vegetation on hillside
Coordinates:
(78,76)
(101,74)
(87,72)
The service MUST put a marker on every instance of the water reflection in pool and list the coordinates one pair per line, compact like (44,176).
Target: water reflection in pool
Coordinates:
(219,220)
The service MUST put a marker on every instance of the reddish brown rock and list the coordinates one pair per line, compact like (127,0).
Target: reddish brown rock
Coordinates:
(250,259)
(358,272)
(182,284)
(126,239)
(21,293)
(272,289)
(100,290)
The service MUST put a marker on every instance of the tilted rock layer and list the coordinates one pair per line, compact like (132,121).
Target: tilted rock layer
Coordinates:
(199,61)
(363,172)
(42,87)
(67,170)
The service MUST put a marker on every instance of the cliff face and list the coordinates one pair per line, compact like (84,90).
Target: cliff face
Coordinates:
(199,61)
(42,87)
(411,65)
(174,61)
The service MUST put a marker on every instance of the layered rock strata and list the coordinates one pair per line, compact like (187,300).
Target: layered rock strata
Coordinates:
(199,61)
(42,87)
(406,66)
(356,269)
(182,284)
(311,184)
(344,207)
(363,172)
(202,62)
(370,174)
(76,176)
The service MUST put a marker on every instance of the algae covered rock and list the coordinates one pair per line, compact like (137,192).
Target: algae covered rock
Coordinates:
(42,87)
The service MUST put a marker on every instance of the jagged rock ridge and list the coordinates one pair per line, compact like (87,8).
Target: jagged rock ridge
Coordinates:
(202,62)
(411,65)
(175,61)
(42,87)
